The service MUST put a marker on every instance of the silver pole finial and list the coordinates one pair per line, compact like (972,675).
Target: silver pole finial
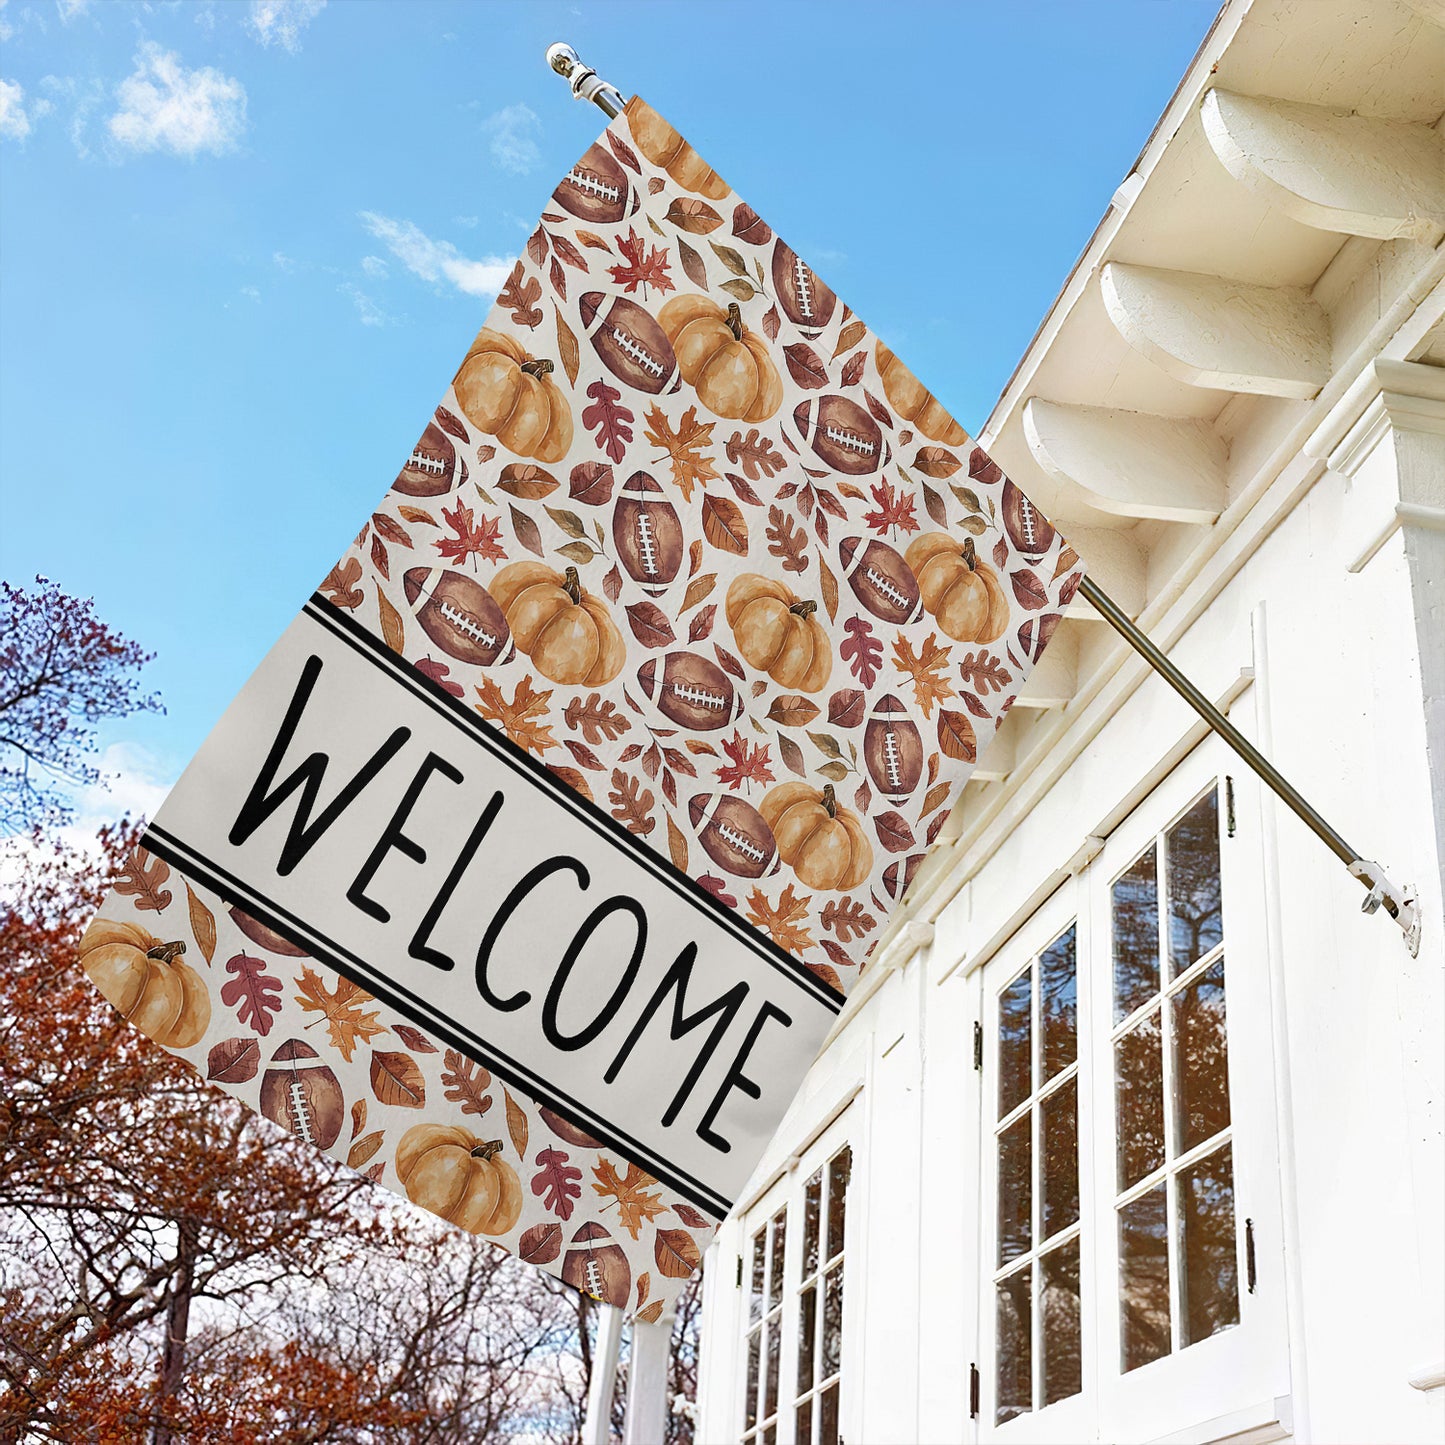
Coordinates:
(585,82)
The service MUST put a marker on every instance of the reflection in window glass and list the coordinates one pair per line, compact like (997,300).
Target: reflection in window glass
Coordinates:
(1207,1252)
(765,1322)
(820,1300)
(1136,935)
(812,1206)
(1061,1328)
(1015,1196)
(804,1432)
(832,1356)
(1014,1388)
(807,1330)
(1139,1100)
(839,1168)
(1192,848)
(1144,1279)
(1059,1129)
(775,1265)
(1015,1070)
(760,1264)
(1058,1004)
(828,1424)
(1201,1058)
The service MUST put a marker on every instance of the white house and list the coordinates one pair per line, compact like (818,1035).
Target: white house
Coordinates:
(1133,1131)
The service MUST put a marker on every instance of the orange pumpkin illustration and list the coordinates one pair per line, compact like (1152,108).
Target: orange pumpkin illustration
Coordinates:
(451,1172)
(505,393)
(777,633)
(728,365)
(147,981)
(914,402)
(817,837)
(664,147)
(963,593)
(566,631)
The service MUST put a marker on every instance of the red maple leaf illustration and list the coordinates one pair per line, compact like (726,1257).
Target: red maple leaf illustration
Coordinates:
(750,763)
(641,269)
(893,510)
(480,539)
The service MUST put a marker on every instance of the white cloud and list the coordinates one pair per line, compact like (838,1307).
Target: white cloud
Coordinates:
(164,106)
(14,119)
(370,313)
(6,29)
(282,21)
(374,267)
(512,130)
(438,260)
(71,9)
(251,293)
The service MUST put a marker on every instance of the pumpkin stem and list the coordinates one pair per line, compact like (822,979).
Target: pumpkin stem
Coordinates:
(970,554)
(803,609)
(487,1150)
(541,367)
(572,585)
(735,320)
(165,952)
(829,801)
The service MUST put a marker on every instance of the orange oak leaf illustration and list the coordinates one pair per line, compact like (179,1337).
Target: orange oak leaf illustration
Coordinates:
(341,1008)
(637,1207)
(925,669)
(781,920)
(521,719)
(640,268)
(684,447)
(473,539)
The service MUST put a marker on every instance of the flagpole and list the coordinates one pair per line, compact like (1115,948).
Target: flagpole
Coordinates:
(1398,902)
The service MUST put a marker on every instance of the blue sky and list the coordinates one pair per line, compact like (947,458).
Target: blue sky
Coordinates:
(244,243)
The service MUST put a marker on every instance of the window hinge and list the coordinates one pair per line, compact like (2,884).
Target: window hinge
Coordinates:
(977,1044)
(973,1383)
(1250,1275)
(740,1272)
(1229,805)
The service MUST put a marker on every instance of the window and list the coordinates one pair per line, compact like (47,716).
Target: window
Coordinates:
(794,1323)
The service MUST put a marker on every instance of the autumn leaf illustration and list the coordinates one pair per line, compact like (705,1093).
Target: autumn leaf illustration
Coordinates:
(781,920)
(631,803)
(750,763)
(637,1208)
(676,1253)
(641,269)
(521,719)
(144,877)
(787,540)
(683,447)
(340,584)
(466,1083)
(396,1080)
(556,1182)
(846,917)
(981,670)
(609,419)
(711,883)
(924,668)
(254,993)
(861,650)
(438,672)
(471,539)
(341,1009)
(895,510)
(755,454)
(596,717)
(520,297)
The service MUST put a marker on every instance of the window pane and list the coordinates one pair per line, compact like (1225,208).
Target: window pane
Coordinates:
(754,1340)
(775,1270)
(807,1328)
(760,1256)
(1058,1004)
(828,1417)
(1201,1058)
(1143,1280)
(832,1354)
(1015,1347)
(1136,936)
(840,1167)
(1015,1070)
(770,1435)
(1207,1257)
(1063,1368)
(1015,1231)
(812,1204)
(1195,921)
(1059,1123)
(1139,1100)
(770,1385)
(804,1434)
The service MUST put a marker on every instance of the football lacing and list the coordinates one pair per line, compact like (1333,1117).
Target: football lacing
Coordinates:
(885,585)
(647,544)
(892,764)
(300,1111)
(850,440)
(593,185)
(698,696)
(467,625)
(740,842)
(594,1277)
(1028,520)
(633,348)
(424,462)
(803,283)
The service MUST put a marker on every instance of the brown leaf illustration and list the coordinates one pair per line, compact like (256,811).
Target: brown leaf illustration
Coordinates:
(756,455)
(793,710)
(596,717)
(527,482)
(697,218)
(144,877)
(748,226)
(847,918)
(414,1038)
(203,924)
(697,589)
(419,515)
(1067,558)
(340,584)
(396,1080)
(982,468)
(540,1244)
(537,246)
(631,803)
(785,921)
(828,586)
(516,1124)
(937,796)
(567,348)
(694,1218)
(649,1314)
(849,337)
(771,322)
(233,1061)
(880,412)
(592,483)
(593,241)
(676,1252)
(936,462)
(787,540)
(358,1117)
(649,624)
(805,366)
(676,846)
(363,1149)
(956,737)
(701,625)
(1028,589)
(690,466)
(636,1207)
(724,525)
(342,1008)
(624,152)
(392,631)
(466,1083)
(853,369)
(524,718)
(520,295)
(893,831)
(692,266)
(937,507)
(846,707)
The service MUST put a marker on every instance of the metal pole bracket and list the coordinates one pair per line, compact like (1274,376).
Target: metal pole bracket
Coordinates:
(585,82)
(1400,903)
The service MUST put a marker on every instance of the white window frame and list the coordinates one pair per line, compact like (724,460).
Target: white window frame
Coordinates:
(1242,1366)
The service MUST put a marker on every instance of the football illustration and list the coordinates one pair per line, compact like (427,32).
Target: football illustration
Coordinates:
(264,938)
(301,1094)
(806,301)
(842,434)
(434,467)
(1036,634)
(1028,529)
(630,343)
(596,1267)
(458,614)
(897,876)
(892,749)
(881,580)
(732,833)
(690,691)
(647,534)
(595,189)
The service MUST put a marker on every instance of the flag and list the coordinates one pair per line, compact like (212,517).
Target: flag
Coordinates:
(530,869)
